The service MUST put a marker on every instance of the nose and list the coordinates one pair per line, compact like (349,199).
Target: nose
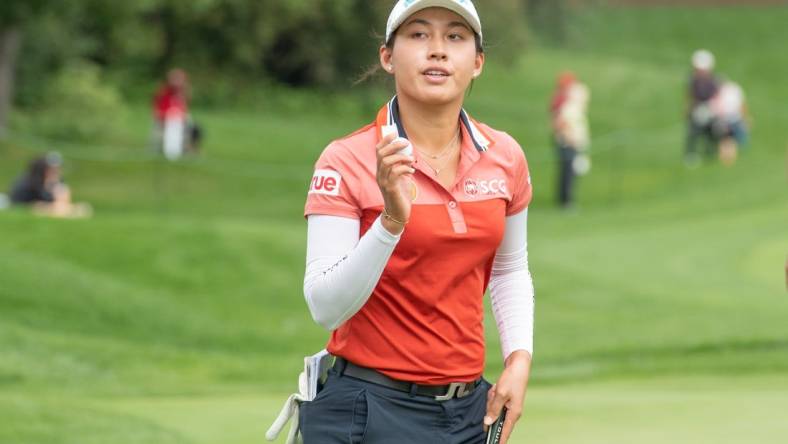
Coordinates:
(437,50)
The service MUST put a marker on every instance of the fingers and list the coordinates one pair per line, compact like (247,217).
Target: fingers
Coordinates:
(496,399)
(390,161)
(400,170)
(392,167)
(490,397)
(388,147)
(389,157)
(385,141)
(395,173)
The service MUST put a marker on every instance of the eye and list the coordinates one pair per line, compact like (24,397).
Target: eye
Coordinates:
(418,35)
(456,36)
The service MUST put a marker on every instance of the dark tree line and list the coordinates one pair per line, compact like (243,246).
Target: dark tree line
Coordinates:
(314,43)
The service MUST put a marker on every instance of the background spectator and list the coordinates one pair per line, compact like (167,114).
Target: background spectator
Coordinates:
(175,133)
(703,87)
(42,188)
(730,120)
(571,133)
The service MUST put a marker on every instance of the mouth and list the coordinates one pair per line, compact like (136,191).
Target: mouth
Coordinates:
(437,75)
(436,72)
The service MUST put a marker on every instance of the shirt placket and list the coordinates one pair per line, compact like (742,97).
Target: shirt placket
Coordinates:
(456,216)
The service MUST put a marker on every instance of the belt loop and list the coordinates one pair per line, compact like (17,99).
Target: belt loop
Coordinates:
(413,389)
(340,365)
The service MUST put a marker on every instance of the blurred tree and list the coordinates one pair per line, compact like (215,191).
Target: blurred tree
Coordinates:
(13,13)
(9,46)
(78,87)
(313,43)
(326,45)
(505,29)
(548,19)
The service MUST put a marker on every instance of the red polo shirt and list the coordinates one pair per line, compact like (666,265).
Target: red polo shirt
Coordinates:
(423,322)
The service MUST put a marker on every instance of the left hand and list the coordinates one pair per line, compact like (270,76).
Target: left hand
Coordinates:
(509,391)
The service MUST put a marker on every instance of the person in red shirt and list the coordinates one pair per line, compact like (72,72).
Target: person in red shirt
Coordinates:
(171,99)
(564,82)
(410,220)
(175,133)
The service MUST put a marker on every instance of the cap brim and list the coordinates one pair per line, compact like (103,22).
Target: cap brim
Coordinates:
(451,5)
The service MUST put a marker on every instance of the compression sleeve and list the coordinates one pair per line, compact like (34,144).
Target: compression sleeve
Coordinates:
(341,269)
(511,288)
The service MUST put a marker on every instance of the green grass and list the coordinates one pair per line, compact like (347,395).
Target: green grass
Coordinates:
(685,409)
(176,314)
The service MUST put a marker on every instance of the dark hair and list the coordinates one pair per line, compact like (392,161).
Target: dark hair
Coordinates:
(36,173)
(372,70)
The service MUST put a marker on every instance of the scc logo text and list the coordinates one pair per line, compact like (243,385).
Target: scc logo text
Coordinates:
(492,187)
(325,182)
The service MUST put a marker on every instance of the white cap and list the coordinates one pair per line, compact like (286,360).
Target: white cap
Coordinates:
(405,8)
(703,59)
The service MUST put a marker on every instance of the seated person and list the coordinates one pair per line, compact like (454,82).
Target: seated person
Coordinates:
(730,120)
(42,188)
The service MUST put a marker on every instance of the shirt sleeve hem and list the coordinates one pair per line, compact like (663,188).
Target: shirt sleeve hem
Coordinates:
(512,210)
(526,348)
(328,210)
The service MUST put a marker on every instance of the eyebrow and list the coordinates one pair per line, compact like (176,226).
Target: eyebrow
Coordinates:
(417,21)
(460,24)
(421,21)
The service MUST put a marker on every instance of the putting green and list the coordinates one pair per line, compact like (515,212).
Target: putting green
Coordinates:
(677,410)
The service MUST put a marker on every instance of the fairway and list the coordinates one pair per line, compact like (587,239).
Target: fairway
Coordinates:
(176,314)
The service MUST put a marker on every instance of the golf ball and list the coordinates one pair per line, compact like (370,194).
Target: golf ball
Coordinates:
(408,150)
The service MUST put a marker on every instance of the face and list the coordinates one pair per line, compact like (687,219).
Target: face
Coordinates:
(702,72)
(176,78)
(52,175)
(434,58)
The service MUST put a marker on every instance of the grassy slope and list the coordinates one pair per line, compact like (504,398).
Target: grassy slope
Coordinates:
(166,316)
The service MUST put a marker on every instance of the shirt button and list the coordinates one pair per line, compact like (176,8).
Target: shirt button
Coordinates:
(452,205)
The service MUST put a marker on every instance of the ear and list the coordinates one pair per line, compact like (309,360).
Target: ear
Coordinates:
(386,59)
(479,65)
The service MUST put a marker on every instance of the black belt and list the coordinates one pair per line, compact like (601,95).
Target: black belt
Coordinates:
(439,392)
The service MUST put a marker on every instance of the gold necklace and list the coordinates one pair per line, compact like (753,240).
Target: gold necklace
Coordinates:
(442,167)
(443,151)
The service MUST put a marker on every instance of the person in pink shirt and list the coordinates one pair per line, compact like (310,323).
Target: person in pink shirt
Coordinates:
(410,220)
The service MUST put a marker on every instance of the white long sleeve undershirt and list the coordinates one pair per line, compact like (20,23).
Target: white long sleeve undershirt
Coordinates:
(512,289)
(343,270)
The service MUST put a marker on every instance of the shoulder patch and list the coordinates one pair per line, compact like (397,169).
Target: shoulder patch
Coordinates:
(325,182)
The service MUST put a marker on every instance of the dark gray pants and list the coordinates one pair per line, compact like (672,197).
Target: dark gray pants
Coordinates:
(566,175)
(694,132)
(349,410)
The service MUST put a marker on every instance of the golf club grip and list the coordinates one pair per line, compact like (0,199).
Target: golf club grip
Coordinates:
(496,429)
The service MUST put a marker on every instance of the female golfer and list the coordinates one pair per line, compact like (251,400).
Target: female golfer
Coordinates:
(410,219)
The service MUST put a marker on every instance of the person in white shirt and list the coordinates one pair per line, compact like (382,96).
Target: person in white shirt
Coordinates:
(730,120)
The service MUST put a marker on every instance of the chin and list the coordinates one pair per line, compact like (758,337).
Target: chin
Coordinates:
(438,96)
